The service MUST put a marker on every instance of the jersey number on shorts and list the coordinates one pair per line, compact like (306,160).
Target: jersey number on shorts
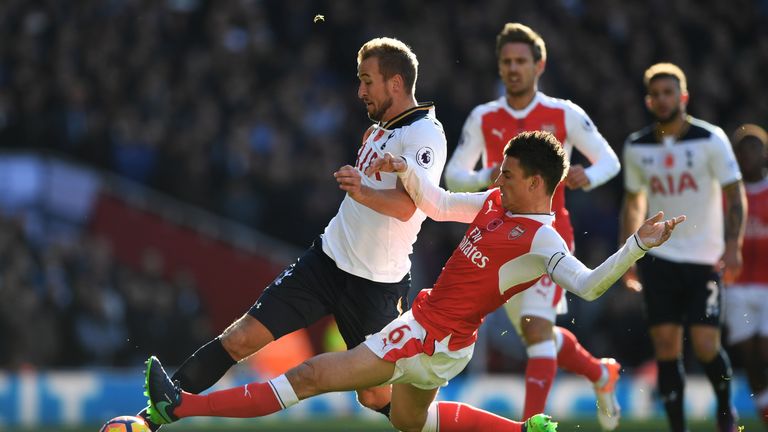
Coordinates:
(713,307)
(397,334)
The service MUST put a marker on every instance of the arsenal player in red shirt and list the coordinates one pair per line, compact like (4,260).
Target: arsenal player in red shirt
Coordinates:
(509,244)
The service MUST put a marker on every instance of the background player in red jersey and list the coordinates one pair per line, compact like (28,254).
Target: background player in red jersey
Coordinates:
(509,244)
(747,297)
(363,287)
(522,56)
(683,164)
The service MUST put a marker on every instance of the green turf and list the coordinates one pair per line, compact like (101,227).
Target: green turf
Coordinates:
(586,425)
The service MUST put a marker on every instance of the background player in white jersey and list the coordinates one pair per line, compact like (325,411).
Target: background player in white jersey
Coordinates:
(358,270)
(522,56)
(682,164)
(747,297)
(503,252)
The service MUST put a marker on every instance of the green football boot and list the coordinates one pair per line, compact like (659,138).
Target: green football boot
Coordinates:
(163,395)
(540,423)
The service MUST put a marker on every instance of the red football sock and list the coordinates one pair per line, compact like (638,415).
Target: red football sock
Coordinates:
(539,374)
(250,400)
(574,358)
(457,417)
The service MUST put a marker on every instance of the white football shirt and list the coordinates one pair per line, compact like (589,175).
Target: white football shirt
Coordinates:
(369,244)
(684,176)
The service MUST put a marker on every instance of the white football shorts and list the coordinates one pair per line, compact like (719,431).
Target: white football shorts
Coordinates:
(419,360)
(544,299)
(746,311)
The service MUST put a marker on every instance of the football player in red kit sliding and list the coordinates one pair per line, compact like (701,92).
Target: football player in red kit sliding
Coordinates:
(508,246)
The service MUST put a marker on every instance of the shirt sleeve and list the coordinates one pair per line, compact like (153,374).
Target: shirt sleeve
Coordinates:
(571,274)
(460,174)
(583,134)
(633,175)
(722,160)
(438,203)
(425,145)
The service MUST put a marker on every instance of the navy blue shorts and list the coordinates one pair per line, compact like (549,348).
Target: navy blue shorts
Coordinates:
(314,287)
(680,293)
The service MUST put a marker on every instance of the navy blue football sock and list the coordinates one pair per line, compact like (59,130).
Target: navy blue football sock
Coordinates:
(720,374)
(671,382)
(204,368)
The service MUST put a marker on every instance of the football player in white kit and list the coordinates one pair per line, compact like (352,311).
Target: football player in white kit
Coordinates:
(683,164)
(504,251)
(746,298)
(522,55)
(358,270)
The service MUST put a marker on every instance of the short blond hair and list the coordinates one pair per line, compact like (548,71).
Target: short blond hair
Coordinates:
(395,57)
(665,70)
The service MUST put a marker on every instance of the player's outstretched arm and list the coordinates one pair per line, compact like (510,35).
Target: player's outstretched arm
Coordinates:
(574,276)
(436,202)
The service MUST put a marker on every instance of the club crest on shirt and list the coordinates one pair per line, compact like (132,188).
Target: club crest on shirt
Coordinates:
(516,232)
(425,157)
(494,224)
(549,127)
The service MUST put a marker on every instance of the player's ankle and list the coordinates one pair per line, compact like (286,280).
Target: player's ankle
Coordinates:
(604,376)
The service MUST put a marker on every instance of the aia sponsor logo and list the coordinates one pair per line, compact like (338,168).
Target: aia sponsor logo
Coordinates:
(671,185)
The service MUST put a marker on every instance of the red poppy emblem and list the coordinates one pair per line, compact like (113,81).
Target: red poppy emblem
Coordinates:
(669,160)
(494,224)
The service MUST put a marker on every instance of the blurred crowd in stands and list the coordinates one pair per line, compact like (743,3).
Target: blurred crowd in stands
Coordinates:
(70,305)
(246,107)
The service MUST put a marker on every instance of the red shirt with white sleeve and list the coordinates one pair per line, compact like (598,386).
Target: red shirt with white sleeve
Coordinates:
(500,255)
(491,125)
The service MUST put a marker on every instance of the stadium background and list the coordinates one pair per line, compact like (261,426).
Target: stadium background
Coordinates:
(161,160)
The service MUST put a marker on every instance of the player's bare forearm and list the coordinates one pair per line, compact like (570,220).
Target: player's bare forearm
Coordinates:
(736,212)
(395,203)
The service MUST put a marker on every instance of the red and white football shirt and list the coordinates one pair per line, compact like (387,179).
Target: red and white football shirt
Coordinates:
(500,255)
(491,125)
(755,249)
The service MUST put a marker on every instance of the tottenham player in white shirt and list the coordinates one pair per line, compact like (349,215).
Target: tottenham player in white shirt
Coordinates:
(505,251)
(522,55)
(682,164)
(358,270)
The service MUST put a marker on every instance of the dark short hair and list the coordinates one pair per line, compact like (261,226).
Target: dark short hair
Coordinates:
(750,130)
(395,58)
(539,153)
(665,70)
(516,32)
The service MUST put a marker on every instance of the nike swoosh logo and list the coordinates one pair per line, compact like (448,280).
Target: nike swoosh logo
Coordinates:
(160,407)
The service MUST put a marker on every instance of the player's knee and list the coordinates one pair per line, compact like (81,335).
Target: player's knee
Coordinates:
(240,340)
(306,380)
(373,399)
(408,422)
(705,350)
(536,330)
